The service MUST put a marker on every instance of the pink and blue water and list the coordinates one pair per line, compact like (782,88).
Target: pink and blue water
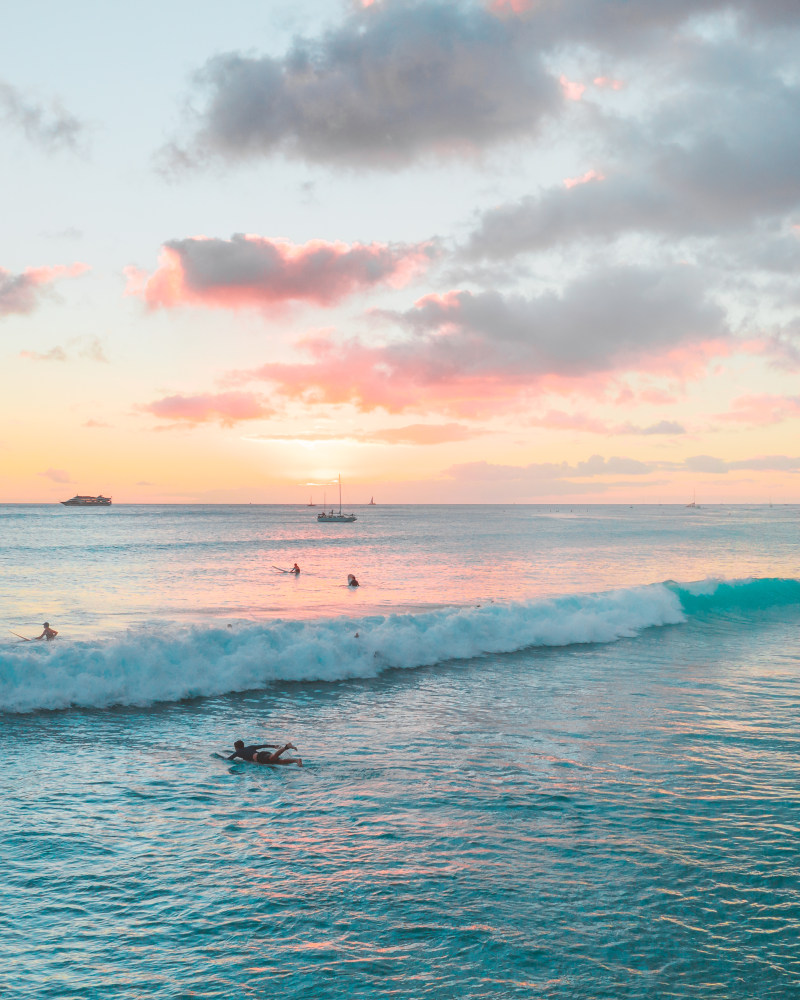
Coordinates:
(561,758)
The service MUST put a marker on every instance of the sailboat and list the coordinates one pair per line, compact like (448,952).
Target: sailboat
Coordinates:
(692,504)
(333,516)
(371,502)
(311,502)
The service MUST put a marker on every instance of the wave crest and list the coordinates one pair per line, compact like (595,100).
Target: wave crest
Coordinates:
(175,664)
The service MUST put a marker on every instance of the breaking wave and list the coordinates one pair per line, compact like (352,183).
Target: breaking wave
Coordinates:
(140,668)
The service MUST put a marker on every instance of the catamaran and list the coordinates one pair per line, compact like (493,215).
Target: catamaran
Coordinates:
(333,515)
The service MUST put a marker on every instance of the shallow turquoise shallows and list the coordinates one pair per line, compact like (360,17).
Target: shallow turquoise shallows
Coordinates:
(559,759)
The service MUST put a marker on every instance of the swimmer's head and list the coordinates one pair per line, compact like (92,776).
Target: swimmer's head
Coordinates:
(238,745)
(46,625)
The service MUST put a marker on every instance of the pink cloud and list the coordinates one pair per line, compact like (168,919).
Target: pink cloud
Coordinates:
(608,83)
(226,407)
(572,91)
(22,293)
(54,354)
(590,175)
(471,353)
(511,6)
(254,271)
(763,409)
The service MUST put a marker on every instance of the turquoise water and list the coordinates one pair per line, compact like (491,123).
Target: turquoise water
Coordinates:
(589,786)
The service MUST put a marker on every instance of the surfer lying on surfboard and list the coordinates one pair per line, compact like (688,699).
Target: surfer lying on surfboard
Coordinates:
(254,755)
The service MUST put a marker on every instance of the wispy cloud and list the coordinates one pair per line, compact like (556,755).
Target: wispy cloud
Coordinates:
(56,475)
(559,420)
(22,293)
(411,434)
(54,354)
(226,408)
(48,125)
(760,410)
(81,347)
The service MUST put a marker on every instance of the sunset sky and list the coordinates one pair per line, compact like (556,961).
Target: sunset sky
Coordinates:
(511,251)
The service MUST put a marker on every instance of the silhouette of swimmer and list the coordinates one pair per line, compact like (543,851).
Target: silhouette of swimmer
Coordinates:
(49,633)
(351,581)
(295,569)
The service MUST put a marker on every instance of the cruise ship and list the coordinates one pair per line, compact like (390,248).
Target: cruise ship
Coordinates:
(87,502)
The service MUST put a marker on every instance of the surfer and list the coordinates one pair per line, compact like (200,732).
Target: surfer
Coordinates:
(49,633)
(252,754)
(351,581)
(295,569)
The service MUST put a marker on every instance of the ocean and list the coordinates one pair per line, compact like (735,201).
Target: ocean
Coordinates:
(548,752)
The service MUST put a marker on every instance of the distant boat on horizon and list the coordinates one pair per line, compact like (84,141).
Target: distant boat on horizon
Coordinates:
(692,504)
(334,516)
(311,502)
(372,502)
(81,501)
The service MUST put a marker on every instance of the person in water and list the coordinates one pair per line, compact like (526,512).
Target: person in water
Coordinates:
(351,581)
(49,633)
(254,756)
(295,569)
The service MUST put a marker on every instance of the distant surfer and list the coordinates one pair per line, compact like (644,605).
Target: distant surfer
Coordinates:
(351,581)
(254,755)
(295,569)
(49,633)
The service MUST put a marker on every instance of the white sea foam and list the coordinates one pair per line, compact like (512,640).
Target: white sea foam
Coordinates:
(142,668)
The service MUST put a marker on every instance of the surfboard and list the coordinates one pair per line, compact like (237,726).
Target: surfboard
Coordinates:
(281,570)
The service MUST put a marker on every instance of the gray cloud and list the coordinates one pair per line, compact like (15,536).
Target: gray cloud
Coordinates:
(466,352)
(662,427)
(394,81)
(622,26)
(763,463)
(402,79)
(720,174)
(612,318)
(249,270)
(19,293)
(545,474)
(50,127)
